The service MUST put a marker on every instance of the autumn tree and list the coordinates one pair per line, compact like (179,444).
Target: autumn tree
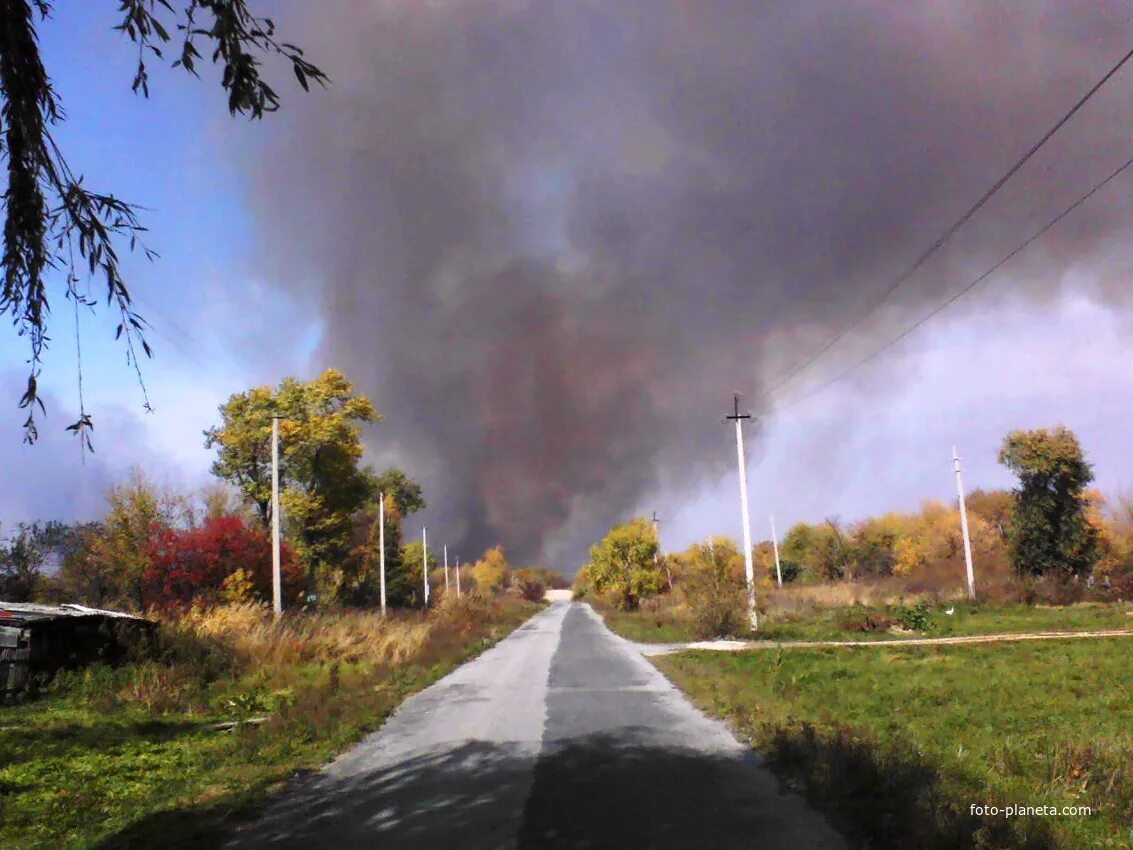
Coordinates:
(490,572)
(119,555)
(714,587)
(321,480)
(622,565)
(57,230)
(994,506)
(225,559)
(84,576)
(1050,531)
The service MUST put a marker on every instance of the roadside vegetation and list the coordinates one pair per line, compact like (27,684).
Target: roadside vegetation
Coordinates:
(167,749)
(896,744)
(175,747)
(1050,555)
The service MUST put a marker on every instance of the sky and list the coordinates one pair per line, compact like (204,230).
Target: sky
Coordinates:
(305,240)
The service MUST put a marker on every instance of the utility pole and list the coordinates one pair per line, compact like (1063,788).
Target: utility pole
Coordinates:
(775,546)
(964,525)
(458,578)
(446,569)
(656,552)
(425,561)
(382,546)
(749,570)
(276,583)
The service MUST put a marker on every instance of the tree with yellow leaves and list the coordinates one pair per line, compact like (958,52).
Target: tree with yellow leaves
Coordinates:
(320,448)
(491,571)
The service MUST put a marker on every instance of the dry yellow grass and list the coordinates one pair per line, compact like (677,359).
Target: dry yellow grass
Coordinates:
(258,638)
(794,601)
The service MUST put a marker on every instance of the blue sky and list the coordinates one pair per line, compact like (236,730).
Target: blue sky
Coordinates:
(217,328)
(878,441)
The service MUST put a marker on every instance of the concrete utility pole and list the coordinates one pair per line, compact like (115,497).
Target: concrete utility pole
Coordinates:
(775,546)
(382,546)
(446,569)
(458,578)
(964,525)
(276,583)
(749,570)
(656,554)
(425,561)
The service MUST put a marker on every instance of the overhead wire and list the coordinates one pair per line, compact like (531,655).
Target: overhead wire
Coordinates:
(1020,248)
(925,255)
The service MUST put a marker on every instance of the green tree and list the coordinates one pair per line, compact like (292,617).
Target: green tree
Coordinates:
(410,573)
(1050,531)
(322,484)
(21,563)
(402,489)
(365,554)
(55,226)
(816,552)
(622,565)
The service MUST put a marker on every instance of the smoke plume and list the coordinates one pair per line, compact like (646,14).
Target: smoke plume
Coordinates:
(551,237)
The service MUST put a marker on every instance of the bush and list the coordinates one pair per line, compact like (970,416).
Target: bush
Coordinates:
(867,621)
(199,564)
(1051,589)
(530,589)
(715,593)
(916,618)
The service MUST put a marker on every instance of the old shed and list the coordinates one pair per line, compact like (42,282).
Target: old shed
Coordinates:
(41,639)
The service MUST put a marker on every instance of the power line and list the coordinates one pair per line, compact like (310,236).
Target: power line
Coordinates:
(965,290)
(948,234)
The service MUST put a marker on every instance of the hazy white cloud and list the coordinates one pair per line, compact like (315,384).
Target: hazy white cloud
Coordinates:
(966,380)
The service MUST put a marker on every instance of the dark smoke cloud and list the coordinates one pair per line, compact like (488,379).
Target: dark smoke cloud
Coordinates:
(551,238)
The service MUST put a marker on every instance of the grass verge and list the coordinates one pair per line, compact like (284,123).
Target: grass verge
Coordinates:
(897,745)
(670,623)
(131,757)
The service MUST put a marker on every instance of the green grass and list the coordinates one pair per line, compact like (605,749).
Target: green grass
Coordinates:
(966,619)
(90,765)
(897,744)
(666,625)
(646,627)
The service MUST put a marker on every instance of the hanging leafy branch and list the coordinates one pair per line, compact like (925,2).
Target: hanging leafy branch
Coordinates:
(53,224)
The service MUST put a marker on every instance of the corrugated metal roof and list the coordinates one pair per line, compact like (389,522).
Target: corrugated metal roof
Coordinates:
(30,612)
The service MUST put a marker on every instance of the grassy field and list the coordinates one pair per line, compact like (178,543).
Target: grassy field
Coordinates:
(896,744)
(131,757)
(869,622)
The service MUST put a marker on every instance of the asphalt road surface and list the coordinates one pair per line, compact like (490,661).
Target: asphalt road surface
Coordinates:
(562,735)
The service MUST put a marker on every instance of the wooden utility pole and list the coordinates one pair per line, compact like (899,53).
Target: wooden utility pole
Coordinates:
(749,569)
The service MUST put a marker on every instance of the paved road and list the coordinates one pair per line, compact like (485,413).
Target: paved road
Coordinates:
(562,735)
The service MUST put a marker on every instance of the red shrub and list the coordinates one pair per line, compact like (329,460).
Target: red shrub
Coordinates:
(192,564)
